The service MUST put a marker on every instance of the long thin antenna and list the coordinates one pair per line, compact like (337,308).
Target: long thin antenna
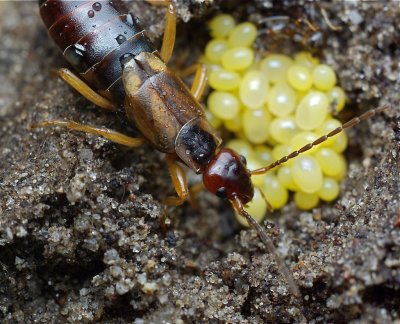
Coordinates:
(350,123)
(237,204)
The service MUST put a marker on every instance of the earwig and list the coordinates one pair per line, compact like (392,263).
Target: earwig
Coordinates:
(120,70)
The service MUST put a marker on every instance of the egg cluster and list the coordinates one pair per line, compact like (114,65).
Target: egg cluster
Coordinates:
(275,105)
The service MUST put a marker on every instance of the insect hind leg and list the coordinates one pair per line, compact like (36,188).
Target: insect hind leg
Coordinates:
(75,82)
(109,134)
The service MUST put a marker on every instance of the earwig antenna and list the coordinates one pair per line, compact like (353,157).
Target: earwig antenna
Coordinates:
(237,204)
(349,124)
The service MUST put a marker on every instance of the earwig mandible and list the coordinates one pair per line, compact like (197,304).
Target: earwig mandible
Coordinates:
(120,70)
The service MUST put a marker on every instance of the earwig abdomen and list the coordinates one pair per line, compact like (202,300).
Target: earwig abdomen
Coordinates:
(93,36)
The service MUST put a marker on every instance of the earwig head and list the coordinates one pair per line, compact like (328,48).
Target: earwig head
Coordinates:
(227,177)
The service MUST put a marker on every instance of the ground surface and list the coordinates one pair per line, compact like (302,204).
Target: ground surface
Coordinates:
(79,217)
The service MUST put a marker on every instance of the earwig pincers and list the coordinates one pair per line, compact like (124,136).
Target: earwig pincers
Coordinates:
(120,70)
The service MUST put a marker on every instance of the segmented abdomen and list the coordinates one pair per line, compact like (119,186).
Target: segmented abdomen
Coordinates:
(93,36)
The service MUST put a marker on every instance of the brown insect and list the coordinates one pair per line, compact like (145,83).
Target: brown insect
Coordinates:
(123,72)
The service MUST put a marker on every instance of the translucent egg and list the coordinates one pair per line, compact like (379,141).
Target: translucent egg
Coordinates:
(214,121)
(241,147)
(223,105)
(306,59)
(343,170)
(275,67)
(243,34)
(222,25)
(253,164)
(340,143)
(312,110)
(255,125)
(324,78)
(330,162)
(263,154)
(285,178)
(337,98)
(224,80)
(307,174)
(253,89)
(238,58)
(283,129)
(275,193)
(326,127)
(279,151)
(329,190)
(306,201)
(215,49)
(281,100)
(303,138)
(299,77)
(234,124)
(257,208)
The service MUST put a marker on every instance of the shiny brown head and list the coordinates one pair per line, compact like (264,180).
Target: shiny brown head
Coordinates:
(227,177)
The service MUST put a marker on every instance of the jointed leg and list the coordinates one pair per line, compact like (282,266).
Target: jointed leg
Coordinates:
(104,132)
(80,86)
(170,28)
(200,78)
(178,177)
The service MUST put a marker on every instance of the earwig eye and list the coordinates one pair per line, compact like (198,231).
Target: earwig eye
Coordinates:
(243,159)
(221,193)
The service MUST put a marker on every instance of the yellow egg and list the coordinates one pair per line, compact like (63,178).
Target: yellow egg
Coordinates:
(255,125)
(285,178)
(275,193)
(306,59)
(214,121)
(253,89)
(243,34)
(221,25)
(312,110)
(330,162)
(327,126)
(302,139)
(238,58)
(324,78)
(299,77)
(281,100)
(337,98)
(281,150)
(253,164)
(283,129)
(234,124)
(257,208)
(215,48)
(241,147)
(306,201)
(340,143)
(223,105)
(263,154)
(341,175)
(224,80)
(275,67)
(307,174)
(329,190)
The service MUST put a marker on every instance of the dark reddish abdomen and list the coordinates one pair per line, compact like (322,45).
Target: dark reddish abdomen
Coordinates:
(93,35)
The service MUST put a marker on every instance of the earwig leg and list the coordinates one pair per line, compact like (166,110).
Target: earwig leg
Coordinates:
(80,86)
(104,132)
(200,79)
(178,177)
(168,43)
(194,190)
